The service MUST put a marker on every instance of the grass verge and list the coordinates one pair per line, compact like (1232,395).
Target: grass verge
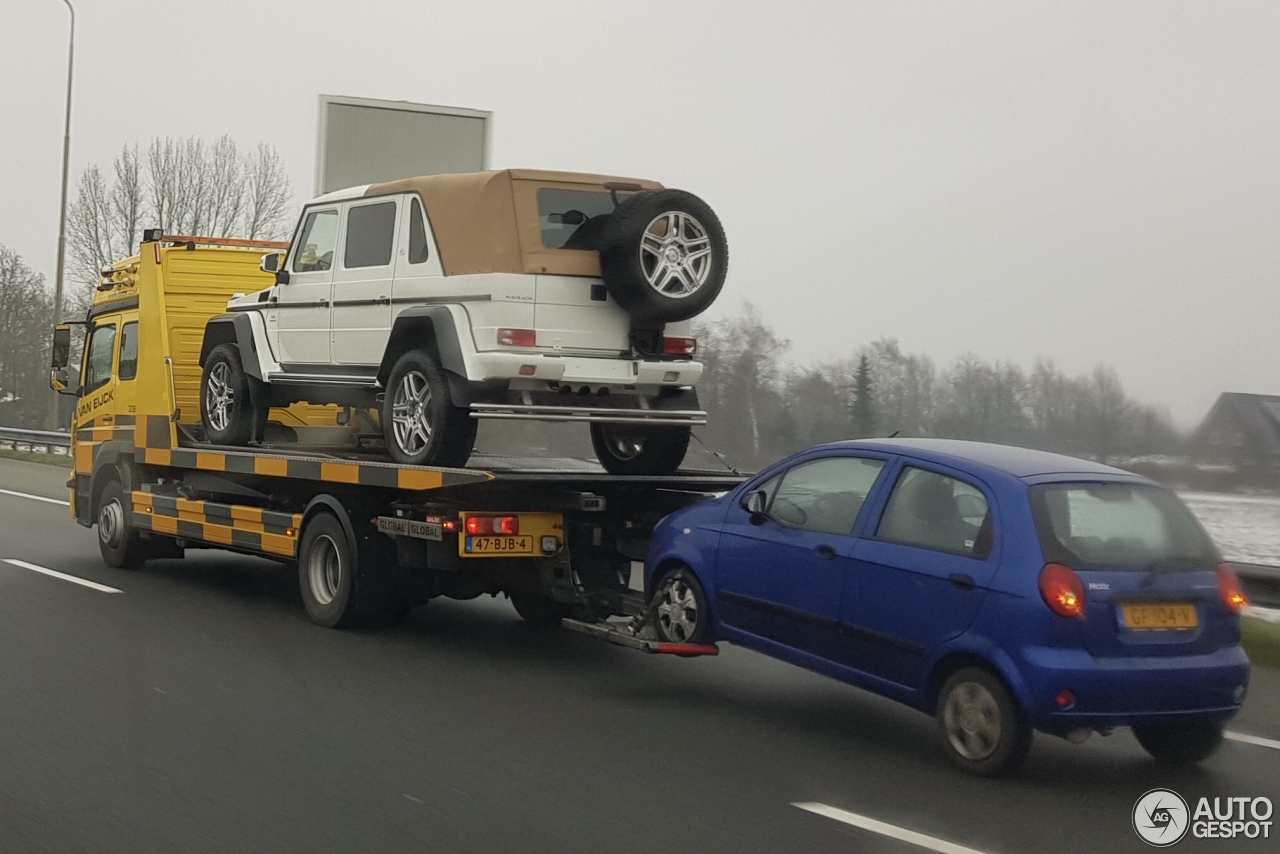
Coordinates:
(1261,641)
(63,460)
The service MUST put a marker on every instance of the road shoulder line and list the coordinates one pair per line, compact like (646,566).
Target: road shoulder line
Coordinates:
(1254,739)
(35,497)
(53,573)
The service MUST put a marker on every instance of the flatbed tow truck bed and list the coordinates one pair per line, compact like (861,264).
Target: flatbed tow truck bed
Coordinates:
(369,538)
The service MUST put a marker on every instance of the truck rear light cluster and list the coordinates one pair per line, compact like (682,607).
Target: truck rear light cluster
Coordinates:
(1062,590)
(1229,587)
(679,346)
(501,525)
(517,337)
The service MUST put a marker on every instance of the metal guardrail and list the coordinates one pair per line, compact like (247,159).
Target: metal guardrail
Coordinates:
(16,438)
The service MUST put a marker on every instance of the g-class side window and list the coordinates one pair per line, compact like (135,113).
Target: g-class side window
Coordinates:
(371,231)
(317,242)
(419,249)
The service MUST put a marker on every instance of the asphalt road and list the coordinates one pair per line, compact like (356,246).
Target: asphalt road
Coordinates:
(198,710)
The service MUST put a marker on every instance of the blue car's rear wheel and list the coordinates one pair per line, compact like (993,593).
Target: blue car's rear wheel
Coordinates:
(680,608)
(1180,743)
(983,730)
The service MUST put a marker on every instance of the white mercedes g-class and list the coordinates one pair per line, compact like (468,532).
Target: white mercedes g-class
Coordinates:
(518,294)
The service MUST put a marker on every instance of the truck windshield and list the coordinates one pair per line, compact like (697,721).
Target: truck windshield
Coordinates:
(573,219)
(1118,526)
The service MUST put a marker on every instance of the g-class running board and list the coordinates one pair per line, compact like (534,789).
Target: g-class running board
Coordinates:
(592,414)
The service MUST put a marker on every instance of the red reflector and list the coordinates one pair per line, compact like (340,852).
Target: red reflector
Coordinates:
(503,525)
(1062,590)
(687,650)
(1065,700)
(528,370)
(1229,587)
(517,337)
(679,346)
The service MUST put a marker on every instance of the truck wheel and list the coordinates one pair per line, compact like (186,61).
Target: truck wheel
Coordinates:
(421,425)
(118,540)
(680,608)
(640,449)
(1180,743)
(663,255)
(343,584)
(983,730)
(226,407)
(539,611)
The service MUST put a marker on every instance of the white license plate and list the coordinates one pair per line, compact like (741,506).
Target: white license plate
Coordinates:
(410,528)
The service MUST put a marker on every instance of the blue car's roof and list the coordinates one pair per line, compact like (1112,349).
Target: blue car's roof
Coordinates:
(1016,462)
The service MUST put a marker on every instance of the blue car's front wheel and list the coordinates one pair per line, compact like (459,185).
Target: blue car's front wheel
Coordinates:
(680,608)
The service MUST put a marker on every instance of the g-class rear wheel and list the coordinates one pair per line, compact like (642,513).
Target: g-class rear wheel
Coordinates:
(663,255)
(421,425)
(639,448)
(226,405)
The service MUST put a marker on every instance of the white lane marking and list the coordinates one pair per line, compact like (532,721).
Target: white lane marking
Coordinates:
(886,829)
(83,582)
(36,497)
(1253,739)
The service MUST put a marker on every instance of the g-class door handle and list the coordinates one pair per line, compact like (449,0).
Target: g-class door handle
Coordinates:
(382,299)
(961,580)
(825,552)
(324,303)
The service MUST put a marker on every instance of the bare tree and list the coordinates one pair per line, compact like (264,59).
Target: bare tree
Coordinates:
(184,186)
(25,306)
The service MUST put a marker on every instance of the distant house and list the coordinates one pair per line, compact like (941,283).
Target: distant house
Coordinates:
(1241,431)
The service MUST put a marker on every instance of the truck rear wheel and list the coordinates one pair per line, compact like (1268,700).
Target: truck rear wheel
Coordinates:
(226,405)
(421,425)
(346,584)
(639,448)
(118,541)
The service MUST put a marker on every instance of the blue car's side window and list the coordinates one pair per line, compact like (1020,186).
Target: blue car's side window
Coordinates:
(824,496)
(934,511)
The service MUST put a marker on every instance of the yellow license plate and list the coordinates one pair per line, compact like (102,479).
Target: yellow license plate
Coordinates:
(499,545)
(1162,615)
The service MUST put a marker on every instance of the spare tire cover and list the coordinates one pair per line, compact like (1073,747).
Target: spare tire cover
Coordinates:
(663,255)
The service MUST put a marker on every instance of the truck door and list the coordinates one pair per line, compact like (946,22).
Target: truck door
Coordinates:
(300,315)
(361,318)
(94,420)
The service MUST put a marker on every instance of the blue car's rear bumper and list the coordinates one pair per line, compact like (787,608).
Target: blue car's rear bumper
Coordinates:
(1133,690)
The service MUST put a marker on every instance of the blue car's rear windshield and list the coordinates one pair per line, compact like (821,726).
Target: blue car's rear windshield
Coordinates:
(1118,526)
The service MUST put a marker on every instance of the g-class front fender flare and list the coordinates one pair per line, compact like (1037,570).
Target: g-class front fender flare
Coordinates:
(233,329)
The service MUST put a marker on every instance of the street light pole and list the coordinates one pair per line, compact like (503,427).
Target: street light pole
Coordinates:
(62,207)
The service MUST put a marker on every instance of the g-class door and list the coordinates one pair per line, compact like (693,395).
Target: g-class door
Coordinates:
(361,317)
(298,321)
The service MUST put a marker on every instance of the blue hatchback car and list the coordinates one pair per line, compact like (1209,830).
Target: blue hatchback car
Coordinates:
(1002,590)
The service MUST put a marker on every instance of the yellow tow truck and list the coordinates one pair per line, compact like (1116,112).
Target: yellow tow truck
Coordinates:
(369,538)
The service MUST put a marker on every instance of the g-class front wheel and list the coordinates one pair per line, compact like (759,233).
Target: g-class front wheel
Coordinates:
(640,448)
(421,425)
(226,405)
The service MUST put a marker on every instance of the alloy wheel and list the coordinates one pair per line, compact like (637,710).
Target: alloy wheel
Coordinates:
(678,611)
(675,254)
(410,419)
(219,396)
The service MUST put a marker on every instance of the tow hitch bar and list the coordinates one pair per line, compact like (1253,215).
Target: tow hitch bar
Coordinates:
(623,636)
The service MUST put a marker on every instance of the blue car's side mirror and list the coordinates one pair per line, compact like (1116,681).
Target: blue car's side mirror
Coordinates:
(756,503)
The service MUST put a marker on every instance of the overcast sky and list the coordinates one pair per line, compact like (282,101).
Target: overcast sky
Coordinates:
(1094,182)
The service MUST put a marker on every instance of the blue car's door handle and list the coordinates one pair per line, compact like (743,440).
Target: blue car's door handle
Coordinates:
(825,552)
(959,579)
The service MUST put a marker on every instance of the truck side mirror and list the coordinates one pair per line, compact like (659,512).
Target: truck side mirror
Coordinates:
(61,345)
(58,381)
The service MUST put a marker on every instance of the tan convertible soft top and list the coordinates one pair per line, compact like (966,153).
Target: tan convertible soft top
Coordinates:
(487,222)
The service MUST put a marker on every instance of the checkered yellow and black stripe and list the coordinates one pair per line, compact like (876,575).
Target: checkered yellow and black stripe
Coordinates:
(155,437)
(235,525)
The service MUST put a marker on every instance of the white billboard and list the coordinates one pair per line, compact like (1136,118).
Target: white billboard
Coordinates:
(365,141)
